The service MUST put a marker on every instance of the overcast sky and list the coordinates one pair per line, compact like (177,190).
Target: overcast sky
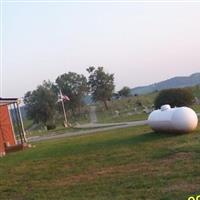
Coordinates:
(140,43)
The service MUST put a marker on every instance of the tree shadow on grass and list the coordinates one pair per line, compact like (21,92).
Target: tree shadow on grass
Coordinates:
(132,140)
(150,137)
(154,136)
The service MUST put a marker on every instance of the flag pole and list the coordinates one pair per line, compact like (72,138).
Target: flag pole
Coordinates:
(64,112)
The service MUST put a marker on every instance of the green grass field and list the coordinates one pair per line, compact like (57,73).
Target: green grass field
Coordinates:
(108,117)
(126,107)
(132,163)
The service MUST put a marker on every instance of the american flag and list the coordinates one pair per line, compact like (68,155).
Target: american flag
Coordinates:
(65,97)
(62,97)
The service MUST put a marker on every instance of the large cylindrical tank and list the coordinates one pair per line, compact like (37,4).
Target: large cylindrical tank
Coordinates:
(167,119)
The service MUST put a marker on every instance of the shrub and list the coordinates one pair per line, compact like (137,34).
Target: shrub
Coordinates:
(51,126)
(174,97)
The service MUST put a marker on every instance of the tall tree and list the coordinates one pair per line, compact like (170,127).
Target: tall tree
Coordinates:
(75,87)
(101,84)
(41,104)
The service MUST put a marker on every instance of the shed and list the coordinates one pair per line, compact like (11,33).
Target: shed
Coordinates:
(12,133)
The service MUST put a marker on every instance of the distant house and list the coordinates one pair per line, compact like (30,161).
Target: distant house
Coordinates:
(12,134)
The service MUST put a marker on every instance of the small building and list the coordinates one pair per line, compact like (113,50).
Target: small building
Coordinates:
(12,134)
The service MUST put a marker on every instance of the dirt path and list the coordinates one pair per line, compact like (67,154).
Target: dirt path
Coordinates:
(95,128)
(93,116)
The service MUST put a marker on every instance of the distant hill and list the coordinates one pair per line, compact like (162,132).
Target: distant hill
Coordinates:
(176,82)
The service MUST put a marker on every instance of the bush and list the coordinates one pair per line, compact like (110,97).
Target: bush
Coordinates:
(51,126)
(174,97)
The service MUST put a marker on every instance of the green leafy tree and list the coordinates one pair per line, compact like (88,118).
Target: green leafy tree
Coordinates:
(174,97)
(101,84)
(125,92)
(41,104)
(75,87)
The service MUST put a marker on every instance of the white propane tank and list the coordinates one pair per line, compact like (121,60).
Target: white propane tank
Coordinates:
(180,119)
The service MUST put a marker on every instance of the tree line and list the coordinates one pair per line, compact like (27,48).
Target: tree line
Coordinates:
(41,103)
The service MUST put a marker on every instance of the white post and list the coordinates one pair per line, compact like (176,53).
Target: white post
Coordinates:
(64,112)
(21,122)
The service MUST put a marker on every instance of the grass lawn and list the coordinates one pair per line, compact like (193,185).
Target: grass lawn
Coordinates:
(125,108)
(132,163)
(59,130)
(196,108)
(108,117)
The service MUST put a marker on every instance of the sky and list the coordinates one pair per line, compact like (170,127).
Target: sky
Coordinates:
(141,43)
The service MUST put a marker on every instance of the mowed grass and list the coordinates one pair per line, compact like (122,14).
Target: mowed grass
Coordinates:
(132,163)
(107,117)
